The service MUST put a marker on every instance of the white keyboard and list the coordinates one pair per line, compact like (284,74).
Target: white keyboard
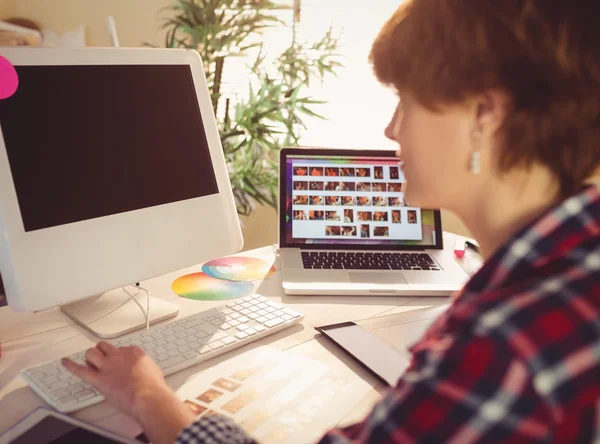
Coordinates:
(174,346)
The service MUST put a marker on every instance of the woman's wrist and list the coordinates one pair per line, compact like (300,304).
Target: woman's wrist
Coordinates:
(161,414)
(149,402)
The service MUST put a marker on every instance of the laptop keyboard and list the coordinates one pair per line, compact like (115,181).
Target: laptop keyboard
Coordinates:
(367,261)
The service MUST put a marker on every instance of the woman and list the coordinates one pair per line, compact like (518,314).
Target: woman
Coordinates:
(499,121)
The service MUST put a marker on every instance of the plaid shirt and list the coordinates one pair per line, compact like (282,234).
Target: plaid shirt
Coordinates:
(516,358)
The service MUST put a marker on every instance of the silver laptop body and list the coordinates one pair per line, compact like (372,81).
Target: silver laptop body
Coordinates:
(345,229)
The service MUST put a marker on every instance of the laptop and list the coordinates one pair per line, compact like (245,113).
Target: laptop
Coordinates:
(346,229)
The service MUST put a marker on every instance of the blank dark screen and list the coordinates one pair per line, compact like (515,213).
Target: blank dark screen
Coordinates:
(91,141)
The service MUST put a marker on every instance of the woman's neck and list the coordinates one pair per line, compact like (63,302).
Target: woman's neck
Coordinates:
(505,205)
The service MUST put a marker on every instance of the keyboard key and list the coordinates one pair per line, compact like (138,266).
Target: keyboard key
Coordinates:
(273,322)
(292,313)
(191,355)
(242,327)
(49,380)
(253,316)
(58,385)
(228,340)
(241,335)
(262,319)
(217,344)
(74,389)
(194,323)
(243,319)
(270,316)
(218,335)
(259,328)
(87,394)
(251,331)
(171,362)
(226,326)
(69,400)
(61,393)
(183,350)
(205,349)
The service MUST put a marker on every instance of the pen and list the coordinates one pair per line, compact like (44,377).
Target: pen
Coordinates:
(473,246)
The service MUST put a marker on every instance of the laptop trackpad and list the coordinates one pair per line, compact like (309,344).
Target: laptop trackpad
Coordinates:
(377,278)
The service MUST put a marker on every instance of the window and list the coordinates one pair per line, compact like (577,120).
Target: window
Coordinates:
(358,108)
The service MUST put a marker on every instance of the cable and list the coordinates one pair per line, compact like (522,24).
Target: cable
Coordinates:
(132,297)
(147,305)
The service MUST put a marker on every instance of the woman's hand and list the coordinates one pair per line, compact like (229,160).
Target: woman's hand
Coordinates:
(131,381)
(123,375)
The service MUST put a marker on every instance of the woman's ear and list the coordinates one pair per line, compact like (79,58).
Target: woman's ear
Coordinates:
(490,110)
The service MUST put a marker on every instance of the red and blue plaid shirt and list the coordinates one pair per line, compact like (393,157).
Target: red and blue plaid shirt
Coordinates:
(515,359)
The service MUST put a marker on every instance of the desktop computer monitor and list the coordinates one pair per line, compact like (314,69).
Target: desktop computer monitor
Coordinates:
(111,172)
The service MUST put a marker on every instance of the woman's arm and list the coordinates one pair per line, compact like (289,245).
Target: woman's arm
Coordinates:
(134,384)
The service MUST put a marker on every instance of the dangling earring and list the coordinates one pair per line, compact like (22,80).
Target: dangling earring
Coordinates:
(475,158)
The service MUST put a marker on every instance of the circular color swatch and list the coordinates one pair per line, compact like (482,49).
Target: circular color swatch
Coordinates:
(9,80)
(238,269)
(201,287)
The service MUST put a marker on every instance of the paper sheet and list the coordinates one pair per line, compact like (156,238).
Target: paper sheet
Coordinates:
(276,396)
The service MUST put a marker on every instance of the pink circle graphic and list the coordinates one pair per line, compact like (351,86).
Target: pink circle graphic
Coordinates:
(9,80)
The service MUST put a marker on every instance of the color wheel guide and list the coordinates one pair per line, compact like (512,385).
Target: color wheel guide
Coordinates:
(224,278)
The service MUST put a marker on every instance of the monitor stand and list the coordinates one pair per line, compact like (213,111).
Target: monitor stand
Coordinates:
(113,313)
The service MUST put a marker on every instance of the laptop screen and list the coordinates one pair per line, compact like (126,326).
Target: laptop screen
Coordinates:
(354,200)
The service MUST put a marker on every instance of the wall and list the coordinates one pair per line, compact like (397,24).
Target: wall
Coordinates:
(138,21)
(7,8)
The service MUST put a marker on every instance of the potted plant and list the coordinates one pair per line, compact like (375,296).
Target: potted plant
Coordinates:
(253,128)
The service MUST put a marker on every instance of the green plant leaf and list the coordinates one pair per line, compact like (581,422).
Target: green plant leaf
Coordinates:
(256,126)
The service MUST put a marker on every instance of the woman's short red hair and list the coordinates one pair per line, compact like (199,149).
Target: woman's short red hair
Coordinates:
(544,53)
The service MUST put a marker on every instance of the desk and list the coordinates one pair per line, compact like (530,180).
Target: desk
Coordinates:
(29,339)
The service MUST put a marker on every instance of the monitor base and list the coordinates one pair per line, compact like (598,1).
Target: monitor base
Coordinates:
(114,314)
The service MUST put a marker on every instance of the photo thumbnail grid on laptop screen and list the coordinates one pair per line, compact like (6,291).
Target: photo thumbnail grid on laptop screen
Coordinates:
(351,200)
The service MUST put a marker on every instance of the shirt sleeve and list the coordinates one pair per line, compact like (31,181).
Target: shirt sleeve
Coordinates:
(216,429)
(455,391)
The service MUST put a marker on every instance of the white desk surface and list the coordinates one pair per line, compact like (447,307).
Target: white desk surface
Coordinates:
(28,339)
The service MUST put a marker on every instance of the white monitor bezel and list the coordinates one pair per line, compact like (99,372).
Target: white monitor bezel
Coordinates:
(109,244)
